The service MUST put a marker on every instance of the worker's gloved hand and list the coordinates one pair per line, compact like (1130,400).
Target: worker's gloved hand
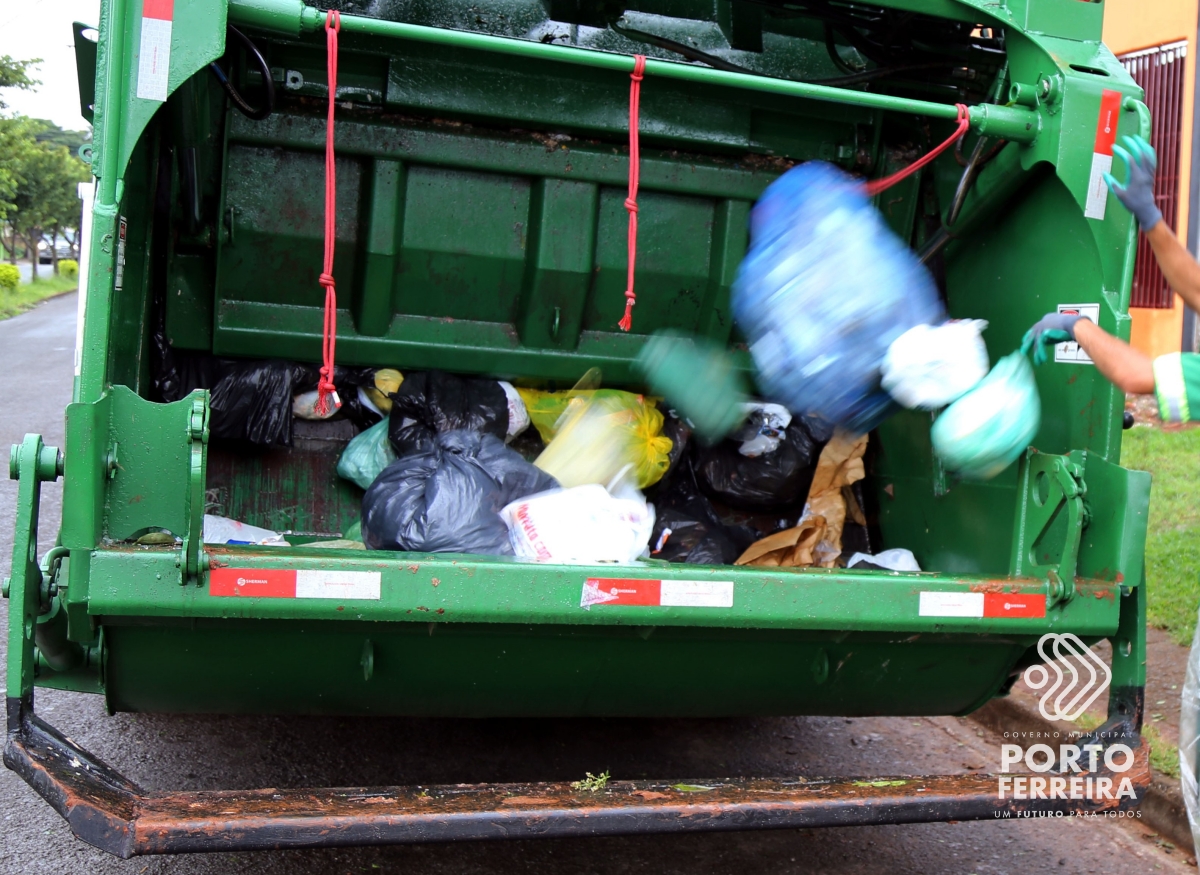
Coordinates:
(1046,332)
(1137,194)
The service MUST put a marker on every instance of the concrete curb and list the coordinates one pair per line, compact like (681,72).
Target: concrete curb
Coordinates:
(1163,808)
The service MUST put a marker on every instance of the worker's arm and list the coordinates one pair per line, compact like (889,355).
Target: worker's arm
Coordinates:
(1174,378)
(1129,369)
(1178,267)
(1137,195)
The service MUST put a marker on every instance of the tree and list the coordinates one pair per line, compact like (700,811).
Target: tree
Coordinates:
(48,132)
(15,74)
(46,194)
(15,133)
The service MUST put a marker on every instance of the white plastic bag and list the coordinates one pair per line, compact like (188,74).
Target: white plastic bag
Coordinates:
(897,559)
(222,530)
(581,524)
(1189,738)
(518,416)
(929,366)
(304,406)
(770,420)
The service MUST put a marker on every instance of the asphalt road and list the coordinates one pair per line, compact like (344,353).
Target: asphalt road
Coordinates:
(171,752)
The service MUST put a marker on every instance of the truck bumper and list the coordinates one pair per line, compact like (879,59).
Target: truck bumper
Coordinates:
(108,811)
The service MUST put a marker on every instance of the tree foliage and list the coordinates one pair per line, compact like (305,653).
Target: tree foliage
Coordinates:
(15,74)
(39,168)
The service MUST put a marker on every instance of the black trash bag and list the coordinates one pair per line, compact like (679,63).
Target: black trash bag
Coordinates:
(773,480)
(253,401)
(690,540)
(178,372)
(448,499)
(680,434)
(432,403)
(698,535)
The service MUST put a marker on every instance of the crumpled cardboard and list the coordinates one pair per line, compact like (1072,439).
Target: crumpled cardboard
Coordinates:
(817,538)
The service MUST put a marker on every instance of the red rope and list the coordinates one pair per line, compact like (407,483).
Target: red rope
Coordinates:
(635,96)
(325,388)
(875,186)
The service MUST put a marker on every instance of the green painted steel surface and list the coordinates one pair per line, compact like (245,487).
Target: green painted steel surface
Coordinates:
(482,166)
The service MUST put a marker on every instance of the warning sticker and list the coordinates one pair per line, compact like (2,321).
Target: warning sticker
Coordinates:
(1102,154)
(978,605)
(154,54)
(656,593)
(1071,352)
(285,583)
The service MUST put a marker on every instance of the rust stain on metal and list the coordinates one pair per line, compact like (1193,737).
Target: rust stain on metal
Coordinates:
(435,581)
(1097,589)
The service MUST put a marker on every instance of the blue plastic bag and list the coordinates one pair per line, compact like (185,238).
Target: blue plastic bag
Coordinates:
(988,429)
(824,290)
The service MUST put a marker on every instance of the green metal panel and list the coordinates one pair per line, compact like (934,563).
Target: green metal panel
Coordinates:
(267,666)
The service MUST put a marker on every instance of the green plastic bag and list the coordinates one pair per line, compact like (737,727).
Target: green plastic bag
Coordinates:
(367,455)
(988,429)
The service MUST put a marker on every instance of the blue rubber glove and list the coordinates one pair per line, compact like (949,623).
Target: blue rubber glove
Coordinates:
(1046,332)
(1137,194)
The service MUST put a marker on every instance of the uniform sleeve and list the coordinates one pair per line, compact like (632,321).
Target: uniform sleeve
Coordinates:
(1177,386)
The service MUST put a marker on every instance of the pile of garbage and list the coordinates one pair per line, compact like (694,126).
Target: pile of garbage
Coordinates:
(460,464)
(611,477)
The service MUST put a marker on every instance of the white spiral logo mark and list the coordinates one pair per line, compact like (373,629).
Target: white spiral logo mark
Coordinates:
(1081,664)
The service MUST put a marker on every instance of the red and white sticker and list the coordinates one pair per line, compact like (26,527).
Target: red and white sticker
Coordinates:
(1102,154)
(287,583)
(657,593)
(154,55)
(977,605)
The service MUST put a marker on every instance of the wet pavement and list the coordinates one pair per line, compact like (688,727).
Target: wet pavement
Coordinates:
(189,752)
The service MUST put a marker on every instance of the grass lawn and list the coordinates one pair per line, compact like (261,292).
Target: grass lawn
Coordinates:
(1173,545)
(29,294)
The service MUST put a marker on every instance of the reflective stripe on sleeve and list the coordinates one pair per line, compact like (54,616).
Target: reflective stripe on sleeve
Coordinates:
(1170,389)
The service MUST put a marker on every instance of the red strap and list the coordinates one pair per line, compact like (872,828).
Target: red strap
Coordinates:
(325,388)
(635,96)
(875,186)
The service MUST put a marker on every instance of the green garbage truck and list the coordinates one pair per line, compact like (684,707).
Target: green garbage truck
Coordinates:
(482,160)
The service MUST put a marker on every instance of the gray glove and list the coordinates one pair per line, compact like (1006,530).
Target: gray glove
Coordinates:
(1137,194)
(1046,332)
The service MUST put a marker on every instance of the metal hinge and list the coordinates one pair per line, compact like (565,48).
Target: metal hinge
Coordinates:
(192,559)
(1051,517)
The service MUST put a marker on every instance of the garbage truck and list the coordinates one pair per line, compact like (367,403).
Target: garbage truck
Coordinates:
(478,177)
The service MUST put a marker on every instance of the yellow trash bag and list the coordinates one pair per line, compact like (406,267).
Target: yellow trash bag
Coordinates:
(387,381)
(594,435)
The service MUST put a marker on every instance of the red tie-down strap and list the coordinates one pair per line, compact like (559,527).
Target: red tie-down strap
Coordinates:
(635,96)
(875,186)
(325,388)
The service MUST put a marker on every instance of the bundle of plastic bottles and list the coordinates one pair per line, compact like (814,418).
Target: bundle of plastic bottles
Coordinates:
(823,292)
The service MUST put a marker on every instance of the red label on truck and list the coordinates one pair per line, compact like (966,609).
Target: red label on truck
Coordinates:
(1102,154)
(636,592)
(163,10)
(977,605)
(1023,605)
(273,583)
(287,583)
(1106,125)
